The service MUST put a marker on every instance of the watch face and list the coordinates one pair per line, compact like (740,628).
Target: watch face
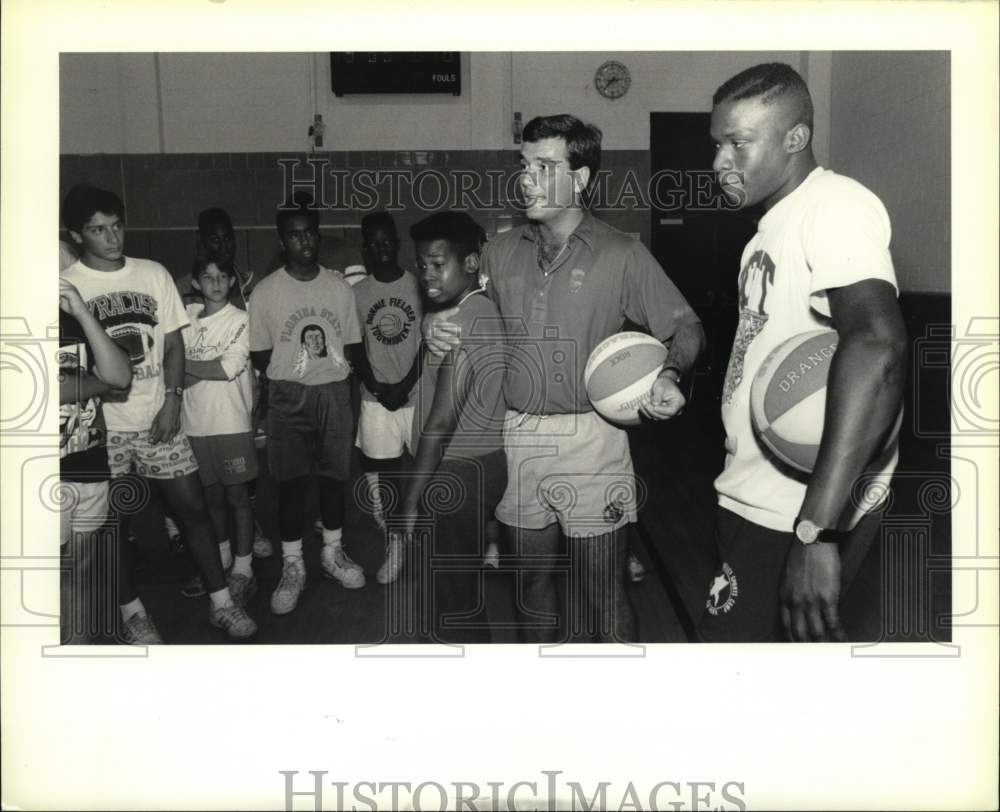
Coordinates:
(806,531)
(612,80)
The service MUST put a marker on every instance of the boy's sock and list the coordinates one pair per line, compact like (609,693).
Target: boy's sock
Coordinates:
(133,607)
(333,538)
(220,598)
(291,549)
(242,565)
(226,554)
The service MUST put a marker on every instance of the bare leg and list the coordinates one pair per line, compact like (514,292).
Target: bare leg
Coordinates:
(185,498)
(599,608)
(536,603)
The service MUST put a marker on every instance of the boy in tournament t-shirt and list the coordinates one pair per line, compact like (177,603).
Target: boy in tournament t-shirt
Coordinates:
(218,399)
(387,361)
(138,306)
(457,430)
(303,317)
(90,364)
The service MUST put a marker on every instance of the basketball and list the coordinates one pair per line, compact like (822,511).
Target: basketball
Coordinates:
(788,397)
(620,373)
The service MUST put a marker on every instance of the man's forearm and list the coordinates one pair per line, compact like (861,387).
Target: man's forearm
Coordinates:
(173,361)
(863,397)
(686,345)
(206,370)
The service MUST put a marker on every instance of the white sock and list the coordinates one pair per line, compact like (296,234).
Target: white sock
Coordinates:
(333,538)
(291,549)
(132,608)
(241,565)
(220,598)
(172,528)
(226,554)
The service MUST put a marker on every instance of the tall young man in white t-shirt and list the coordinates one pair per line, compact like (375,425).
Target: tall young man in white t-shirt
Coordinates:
(820,259)
(137,304)
(302,319)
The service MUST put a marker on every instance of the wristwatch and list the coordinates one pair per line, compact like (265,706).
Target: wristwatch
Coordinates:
(676,370)
(807,532)
(176,390)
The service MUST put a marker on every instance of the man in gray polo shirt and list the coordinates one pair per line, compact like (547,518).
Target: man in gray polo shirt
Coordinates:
(564,282)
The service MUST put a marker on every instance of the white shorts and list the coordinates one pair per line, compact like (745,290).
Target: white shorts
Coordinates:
(83,507)
(575,469)
(383,434)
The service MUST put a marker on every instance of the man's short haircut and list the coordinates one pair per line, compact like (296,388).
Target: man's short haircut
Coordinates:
(770,82)
(84,201)
(299,204)
(583,141)
(458,228)
(210,218)
(377,219)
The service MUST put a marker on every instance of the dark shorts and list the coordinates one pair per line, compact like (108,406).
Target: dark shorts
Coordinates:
(309,427)
(743,596)
(229,459)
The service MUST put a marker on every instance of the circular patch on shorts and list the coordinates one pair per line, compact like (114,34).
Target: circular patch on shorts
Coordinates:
(722,591)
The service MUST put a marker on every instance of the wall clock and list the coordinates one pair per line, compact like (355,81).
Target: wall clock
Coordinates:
(612,80)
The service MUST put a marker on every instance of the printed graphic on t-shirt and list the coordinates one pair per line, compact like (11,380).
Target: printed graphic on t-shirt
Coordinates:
(130,317)
(756,281)
(314,352)
(390,321)
(78,425)
(200,348)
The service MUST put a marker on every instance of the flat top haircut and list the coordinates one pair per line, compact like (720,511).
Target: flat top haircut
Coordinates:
(458,228)
(210,218)
(84,201)
(377,219)
(583,141)
(771,82)
(298,204)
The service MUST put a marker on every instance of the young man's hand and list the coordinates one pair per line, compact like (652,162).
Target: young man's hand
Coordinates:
(70,300)
(167,422)
(440,335)
(810,592)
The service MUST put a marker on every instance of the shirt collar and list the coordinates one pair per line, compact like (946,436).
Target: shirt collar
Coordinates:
(583,231)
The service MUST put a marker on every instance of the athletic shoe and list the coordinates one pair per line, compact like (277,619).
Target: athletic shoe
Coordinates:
(139,630)
(232,617)
(262,547)
(492,557)
(389,571)
(293,580)
(194,588)
(241,587)
(636,572)
(339,567)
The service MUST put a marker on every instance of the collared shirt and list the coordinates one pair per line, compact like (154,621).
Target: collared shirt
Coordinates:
(555,319)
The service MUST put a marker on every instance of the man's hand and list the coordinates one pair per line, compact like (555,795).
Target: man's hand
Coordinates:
(70,300)
(167,421)
(393,396)
(666,399)
(810,592)
(440,335)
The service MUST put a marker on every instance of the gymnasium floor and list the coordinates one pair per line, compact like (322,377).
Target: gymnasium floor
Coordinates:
(677,462)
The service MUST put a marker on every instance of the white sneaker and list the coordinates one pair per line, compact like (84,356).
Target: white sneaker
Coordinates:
(234,620)
(492,556)
(241,587)
(389,571)
(139,630)
(262,547)
(636,572)
(293,581)
(338,566)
